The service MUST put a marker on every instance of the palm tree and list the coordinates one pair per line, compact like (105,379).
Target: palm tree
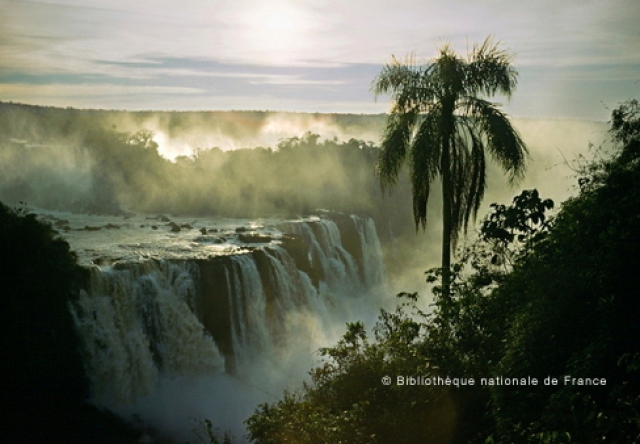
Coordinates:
(441,122)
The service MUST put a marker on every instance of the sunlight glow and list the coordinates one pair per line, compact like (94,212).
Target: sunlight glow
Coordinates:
(276,33)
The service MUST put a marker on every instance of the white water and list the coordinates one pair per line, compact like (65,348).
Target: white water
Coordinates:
(137,323)
(149,356)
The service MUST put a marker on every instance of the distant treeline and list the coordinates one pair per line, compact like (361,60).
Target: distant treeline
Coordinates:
(43,123)
(74,160)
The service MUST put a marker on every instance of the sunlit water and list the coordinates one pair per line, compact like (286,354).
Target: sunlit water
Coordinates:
(98,239)
(185,319)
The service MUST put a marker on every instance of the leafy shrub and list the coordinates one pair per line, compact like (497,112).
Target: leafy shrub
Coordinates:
(534,297)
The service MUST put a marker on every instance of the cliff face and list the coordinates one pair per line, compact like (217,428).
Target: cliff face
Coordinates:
(220,314)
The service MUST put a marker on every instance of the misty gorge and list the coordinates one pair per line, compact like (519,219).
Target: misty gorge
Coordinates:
(221,256)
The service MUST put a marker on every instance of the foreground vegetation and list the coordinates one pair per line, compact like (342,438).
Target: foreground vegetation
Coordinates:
(43,383)
(534,298)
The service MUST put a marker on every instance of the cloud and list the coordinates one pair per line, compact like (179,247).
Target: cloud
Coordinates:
(270,48)
(288,33)
(22,90)
(294,80)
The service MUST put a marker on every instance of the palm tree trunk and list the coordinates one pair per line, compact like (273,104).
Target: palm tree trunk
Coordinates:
(447,194)
(446,222)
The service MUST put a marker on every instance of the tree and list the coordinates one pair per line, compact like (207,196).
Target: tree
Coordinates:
(572,308)
(41,372)
(440,121)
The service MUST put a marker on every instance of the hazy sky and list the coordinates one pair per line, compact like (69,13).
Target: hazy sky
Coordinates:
(576,58)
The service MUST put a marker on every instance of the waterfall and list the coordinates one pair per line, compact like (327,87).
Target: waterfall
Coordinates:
(337,268)
(146,322)
(137,321)
(374,271)
(248,308)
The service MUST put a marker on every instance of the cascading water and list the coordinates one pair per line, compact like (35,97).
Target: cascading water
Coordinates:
(168,338)
(136,323)
(374,274)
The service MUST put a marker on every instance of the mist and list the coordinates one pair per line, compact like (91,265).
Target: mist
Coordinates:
(252,165)
(183,133)
(179,404)
(557,147)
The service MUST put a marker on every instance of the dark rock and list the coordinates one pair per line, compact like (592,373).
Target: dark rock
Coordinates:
(254,238)
(174,227)
(102,260)
(215,240)
(350,238)
(241,230)
(299,250)
(88,228)
(211,239)
(214,307)
(203,230)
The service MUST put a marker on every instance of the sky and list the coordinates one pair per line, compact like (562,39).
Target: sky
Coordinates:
(576,59)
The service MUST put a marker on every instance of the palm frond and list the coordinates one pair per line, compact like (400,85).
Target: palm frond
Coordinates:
(395,142)
(395,76)
(459,182)
(476,170)
(425,163)
(503,141)
(478,176)
(410,85)
(468,171)
(489,70)
(448,73)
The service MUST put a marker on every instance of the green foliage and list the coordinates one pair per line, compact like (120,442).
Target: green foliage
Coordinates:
(347,401)
(437,108)
(75,160)
(508,229)
(262,181)
(625,123)
(441,123)
(42,375)
(535,297)
(40,361)
(38,275)
(577,314)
